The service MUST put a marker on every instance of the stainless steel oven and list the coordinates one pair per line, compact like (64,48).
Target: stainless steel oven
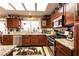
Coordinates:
(51,41)
(59,22)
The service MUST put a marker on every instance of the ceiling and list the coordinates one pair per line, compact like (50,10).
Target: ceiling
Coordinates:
(50,8)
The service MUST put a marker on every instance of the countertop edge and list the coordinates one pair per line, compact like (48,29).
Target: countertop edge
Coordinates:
(71,48)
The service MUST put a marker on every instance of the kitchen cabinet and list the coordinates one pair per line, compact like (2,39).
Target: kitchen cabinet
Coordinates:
(46,22)
(77,13)
(57,13)
(61,50)
(37,40)
(7,40)
(43,40)
(76,40)
(69,13)
(13,23)
(0,39)
(26,40)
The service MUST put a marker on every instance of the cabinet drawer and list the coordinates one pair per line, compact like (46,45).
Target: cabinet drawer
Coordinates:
(64,49)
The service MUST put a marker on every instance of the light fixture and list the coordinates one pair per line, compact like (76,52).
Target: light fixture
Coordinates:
(30,6)
(18,6)
(41,6)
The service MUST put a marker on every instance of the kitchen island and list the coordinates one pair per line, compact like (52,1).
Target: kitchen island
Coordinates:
(25,39)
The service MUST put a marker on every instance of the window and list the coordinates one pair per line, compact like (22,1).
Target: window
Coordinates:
(2,26)
(30,25)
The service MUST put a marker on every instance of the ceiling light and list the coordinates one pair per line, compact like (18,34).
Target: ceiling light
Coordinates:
(30,6)
(41,6)
(18,6)
(6,6)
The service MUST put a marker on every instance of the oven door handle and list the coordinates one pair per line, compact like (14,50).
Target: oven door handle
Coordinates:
(51,39)
(51,42)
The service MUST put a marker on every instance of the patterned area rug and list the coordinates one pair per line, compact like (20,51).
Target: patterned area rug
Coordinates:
(29,51)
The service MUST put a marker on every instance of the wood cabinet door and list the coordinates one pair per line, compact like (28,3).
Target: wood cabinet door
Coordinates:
(46,22)
(7,40)
(13,23)
(26,40)
(9,23)
(49,23)
(76,40)
(0,39)
(61,50)
(34,39)
(57,13)
(43,40)
(16,23)
(69,12)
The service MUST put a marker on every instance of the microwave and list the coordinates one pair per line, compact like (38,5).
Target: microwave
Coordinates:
(58,22)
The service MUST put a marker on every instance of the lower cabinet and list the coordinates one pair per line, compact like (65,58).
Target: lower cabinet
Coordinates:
(0,39)
(36,40)
(25,40)
(7,40)
(61,50)
(43,40)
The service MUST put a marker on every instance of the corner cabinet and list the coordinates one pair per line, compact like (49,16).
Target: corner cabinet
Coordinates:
(46,22)
(69,13)
(57,13)
(61,50)
(13,23)
(7,40)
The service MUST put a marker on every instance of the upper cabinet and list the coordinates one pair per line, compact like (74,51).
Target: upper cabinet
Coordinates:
(77,13)
(57,13)
(69,13)
(56,17)
(13,23)
(46,22)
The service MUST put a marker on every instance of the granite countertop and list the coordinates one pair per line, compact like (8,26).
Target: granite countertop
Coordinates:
(66,43)
(5,49)
(25,33)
